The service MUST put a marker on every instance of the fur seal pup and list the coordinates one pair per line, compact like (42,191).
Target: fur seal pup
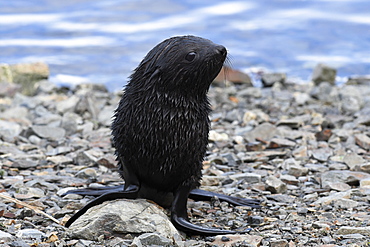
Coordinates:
(160,130)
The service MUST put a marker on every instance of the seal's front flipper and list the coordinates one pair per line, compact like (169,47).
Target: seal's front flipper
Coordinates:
(202,195)
(179,217)
(130,192)
(96,191)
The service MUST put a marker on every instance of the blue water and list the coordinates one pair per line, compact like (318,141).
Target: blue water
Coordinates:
(102,41)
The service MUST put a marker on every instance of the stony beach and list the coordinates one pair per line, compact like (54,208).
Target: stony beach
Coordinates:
(303,149)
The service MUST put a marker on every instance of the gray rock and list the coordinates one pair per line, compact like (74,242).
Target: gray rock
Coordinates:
(353,160)
(333,197)
(301,98)
(347,177)
(345,230)
(70,122)
(289,179)
(30,234)
(250,178)
(151,239)
(365,167)
(326,93)
(51,133)
(279,243)
(322,154)
(106,114)
(235,240)
(281,142)
(275,185)
(67,105)
(24,164)
(297,171)
(363,141)
(268,79)
(255,220)
(5,237)
(9,129)
(264,131)
(338,186)
(292,123)
(345,203)
(323,73)
(87,173)
(121,217)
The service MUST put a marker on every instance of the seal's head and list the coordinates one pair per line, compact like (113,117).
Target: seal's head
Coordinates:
(186,64)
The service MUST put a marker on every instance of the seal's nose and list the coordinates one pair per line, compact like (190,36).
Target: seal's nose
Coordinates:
(221,50)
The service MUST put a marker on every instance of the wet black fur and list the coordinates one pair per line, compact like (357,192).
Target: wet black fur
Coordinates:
(160,128)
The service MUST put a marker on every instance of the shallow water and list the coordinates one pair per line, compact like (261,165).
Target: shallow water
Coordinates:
(103,41)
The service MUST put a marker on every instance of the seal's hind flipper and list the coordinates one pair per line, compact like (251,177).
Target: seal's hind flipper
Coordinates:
(96,191)
(130,193)
(202,195)
(179,216)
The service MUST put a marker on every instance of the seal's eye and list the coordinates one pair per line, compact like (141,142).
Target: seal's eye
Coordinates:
(190,56)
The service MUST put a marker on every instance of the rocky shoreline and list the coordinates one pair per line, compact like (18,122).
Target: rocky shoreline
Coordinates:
(301,148)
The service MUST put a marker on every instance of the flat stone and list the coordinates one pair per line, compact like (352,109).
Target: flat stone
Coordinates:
(365,182)
(5,237)
(52,133)
(300,152)
(297,170)
(348,177)
(279,243)
(87,173)
(250,178)
(264,131)
(275,185)
(345,230)
(333,197)
(292,123)
(281,142)
(262,155)
(322,154)
(24,164)
(339,186)
(9,129)
(30,234)
(363,141)
(345,203)
(217,137)
(151,239)
(60,159)
(358,80)
(289,179)
(352,160)
(237,240)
